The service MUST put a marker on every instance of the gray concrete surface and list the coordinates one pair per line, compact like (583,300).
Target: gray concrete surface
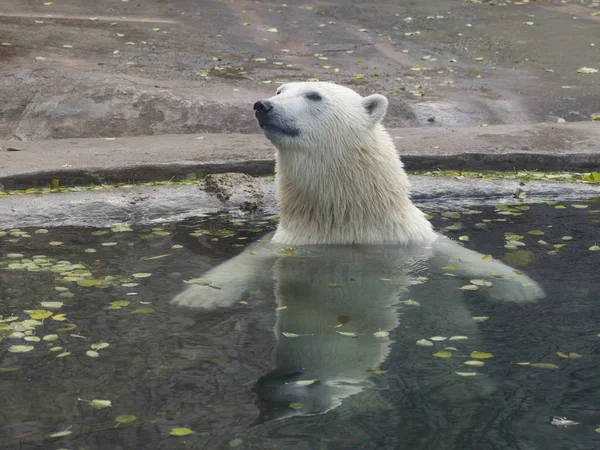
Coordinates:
(503,147)
(190,66)
(141,205)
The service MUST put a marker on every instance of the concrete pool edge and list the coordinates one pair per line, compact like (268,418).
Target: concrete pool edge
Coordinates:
(543,147)
(154,204)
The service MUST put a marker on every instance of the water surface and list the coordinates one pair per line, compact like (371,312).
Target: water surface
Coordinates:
(212,371)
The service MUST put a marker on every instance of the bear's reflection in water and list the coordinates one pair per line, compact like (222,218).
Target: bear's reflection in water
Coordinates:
(335,307)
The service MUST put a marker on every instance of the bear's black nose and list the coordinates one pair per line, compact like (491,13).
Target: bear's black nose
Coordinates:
(263,106)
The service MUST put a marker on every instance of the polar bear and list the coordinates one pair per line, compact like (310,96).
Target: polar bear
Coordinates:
(356,248)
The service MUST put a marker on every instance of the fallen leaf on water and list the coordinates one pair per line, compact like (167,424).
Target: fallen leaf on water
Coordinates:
(411,302)
(180,432)
(125,419)
(290,335)
(458,338)
(100,404)
(381,334)
(469,287)
(474,363)
(484,283)
(466,374)
(481,355)
(443,354)
(20,348)
(347,333)
(424,343)
(60,433)
(272,30)
(305,382)
(586,70)
(198,281)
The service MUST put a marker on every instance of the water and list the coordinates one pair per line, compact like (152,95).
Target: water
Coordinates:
(215,371)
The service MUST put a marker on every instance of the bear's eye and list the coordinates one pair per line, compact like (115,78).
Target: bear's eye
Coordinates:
(314,97)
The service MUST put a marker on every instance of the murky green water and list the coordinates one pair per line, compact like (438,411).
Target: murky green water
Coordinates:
(213,371)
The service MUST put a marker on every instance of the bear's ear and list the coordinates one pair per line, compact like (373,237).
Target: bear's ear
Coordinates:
(376,107)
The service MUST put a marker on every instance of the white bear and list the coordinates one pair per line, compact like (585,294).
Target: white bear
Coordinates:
(360,247)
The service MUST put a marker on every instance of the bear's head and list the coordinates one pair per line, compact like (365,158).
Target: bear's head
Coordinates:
(318,115)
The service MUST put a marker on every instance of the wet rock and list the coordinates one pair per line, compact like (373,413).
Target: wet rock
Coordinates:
(237,188)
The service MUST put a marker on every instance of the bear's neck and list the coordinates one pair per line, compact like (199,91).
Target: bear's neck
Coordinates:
(347,196)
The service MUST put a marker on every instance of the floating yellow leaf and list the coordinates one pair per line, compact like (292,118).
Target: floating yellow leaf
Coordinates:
(305,382)
(180,432)
(381,334)
(474,363)
(443,354)
(450,268)
(48,3)
(125,419)
(99,345)
(50,337)
(288,251)
(65,432)
(92,353)
(199,281)
(335,285)
(296,405)
(544,365)
(290,335)
(347,333)
(20,348)
(536,232)
(88,282)
(141,275)
(562,355)
(358,76)
(481,355)
(52,305)
(469,287)
(272,30)
(377,371)
(466,374)
(39,314)
(458,338)
(100,404)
